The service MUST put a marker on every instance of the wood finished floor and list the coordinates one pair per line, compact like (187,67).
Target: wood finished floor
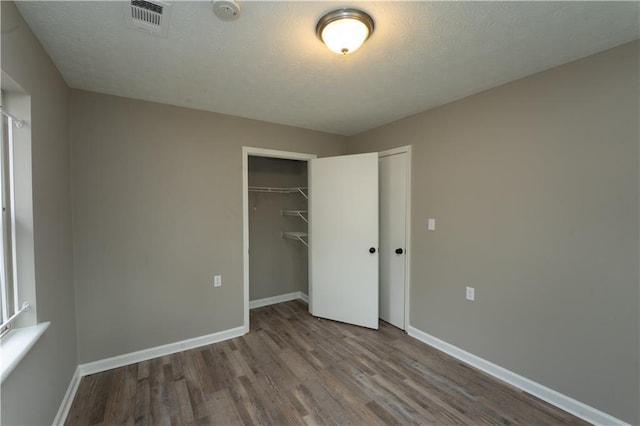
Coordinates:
(293,368)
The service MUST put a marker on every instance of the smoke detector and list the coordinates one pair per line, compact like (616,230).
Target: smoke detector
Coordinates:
(151,17)
(226,10)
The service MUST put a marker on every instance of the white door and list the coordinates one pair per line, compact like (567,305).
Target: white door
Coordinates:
(393,209)
(343,239)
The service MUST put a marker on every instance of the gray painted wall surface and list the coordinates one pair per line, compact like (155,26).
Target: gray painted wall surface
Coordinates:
(534,188)
(157,213)
(276,265)
(32,394)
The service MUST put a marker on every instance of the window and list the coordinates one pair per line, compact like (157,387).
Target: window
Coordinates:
(19,326)
(11,305)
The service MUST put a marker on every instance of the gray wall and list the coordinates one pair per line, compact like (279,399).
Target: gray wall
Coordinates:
(276,265)
(157,213)
(33,392)
(534,187)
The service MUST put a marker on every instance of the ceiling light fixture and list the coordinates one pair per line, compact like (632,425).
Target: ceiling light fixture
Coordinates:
(343,31)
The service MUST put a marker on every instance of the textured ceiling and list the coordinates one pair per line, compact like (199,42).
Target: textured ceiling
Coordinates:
(269,65)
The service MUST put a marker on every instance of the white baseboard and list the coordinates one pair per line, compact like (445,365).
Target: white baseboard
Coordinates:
(146,354)
(135,357)
(278,299)
(564,402)
(304,297)
(65,405)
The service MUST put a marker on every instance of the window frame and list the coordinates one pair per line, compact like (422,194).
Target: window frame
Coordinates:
(10,307)
(26,329)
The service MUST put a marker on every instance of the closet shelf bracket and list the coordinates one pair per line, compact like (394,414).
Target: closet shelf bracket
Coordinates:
(298,236)
(302,191)
(300,213)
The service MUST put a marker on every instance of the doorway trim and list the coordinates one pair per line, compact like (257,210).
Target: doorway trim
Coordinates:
(248,151)
(408,250)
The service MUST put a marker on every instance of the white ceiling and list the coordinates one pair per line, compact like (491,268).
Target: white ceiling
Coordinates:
(269,65)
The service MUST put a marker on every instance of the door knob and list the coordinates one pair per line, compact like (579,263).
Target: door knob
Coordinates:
(372,250)
(399,251)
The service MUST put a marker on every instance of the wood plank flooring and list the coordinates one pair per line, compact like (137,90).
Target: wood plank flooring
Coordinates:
(295,369)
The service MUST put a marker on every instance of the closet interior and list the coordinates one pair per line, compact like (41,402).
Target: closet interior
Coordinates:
(278,219)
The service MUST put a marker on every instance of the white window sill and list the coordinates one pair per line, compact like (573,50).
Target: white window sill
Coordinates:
(15,345)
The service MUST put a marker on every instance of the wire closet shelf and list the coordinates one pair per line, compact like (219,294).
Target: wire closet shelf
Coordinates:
(297,189)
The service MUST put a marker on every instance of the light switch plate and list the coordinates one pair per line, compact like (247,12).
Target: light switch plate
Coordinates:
(217,281)
(431,224)
(471,293)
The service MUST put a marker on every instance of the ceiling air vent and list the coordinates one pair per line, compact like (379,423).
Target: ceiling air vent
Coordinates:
(148,16)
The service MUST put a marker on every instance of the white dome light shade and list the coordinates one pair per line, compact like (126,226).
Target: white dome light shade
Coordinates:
(344,31)
(344,36)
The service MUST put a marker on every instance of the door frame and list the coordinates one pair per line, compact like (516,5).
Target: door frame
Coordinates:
(407,259)
(247,152)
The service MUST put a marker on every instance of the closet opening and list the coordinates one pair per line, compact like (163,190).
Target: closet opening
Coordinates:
(353,256)
(275,189)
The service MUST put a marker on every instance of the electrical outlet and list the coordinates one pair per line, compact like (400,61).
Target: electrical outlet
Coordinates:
(217,281)
(471,293)
(431,224)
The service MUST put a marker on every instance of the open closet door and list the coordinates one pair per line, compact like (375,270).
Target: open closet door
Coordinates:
(343,239)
